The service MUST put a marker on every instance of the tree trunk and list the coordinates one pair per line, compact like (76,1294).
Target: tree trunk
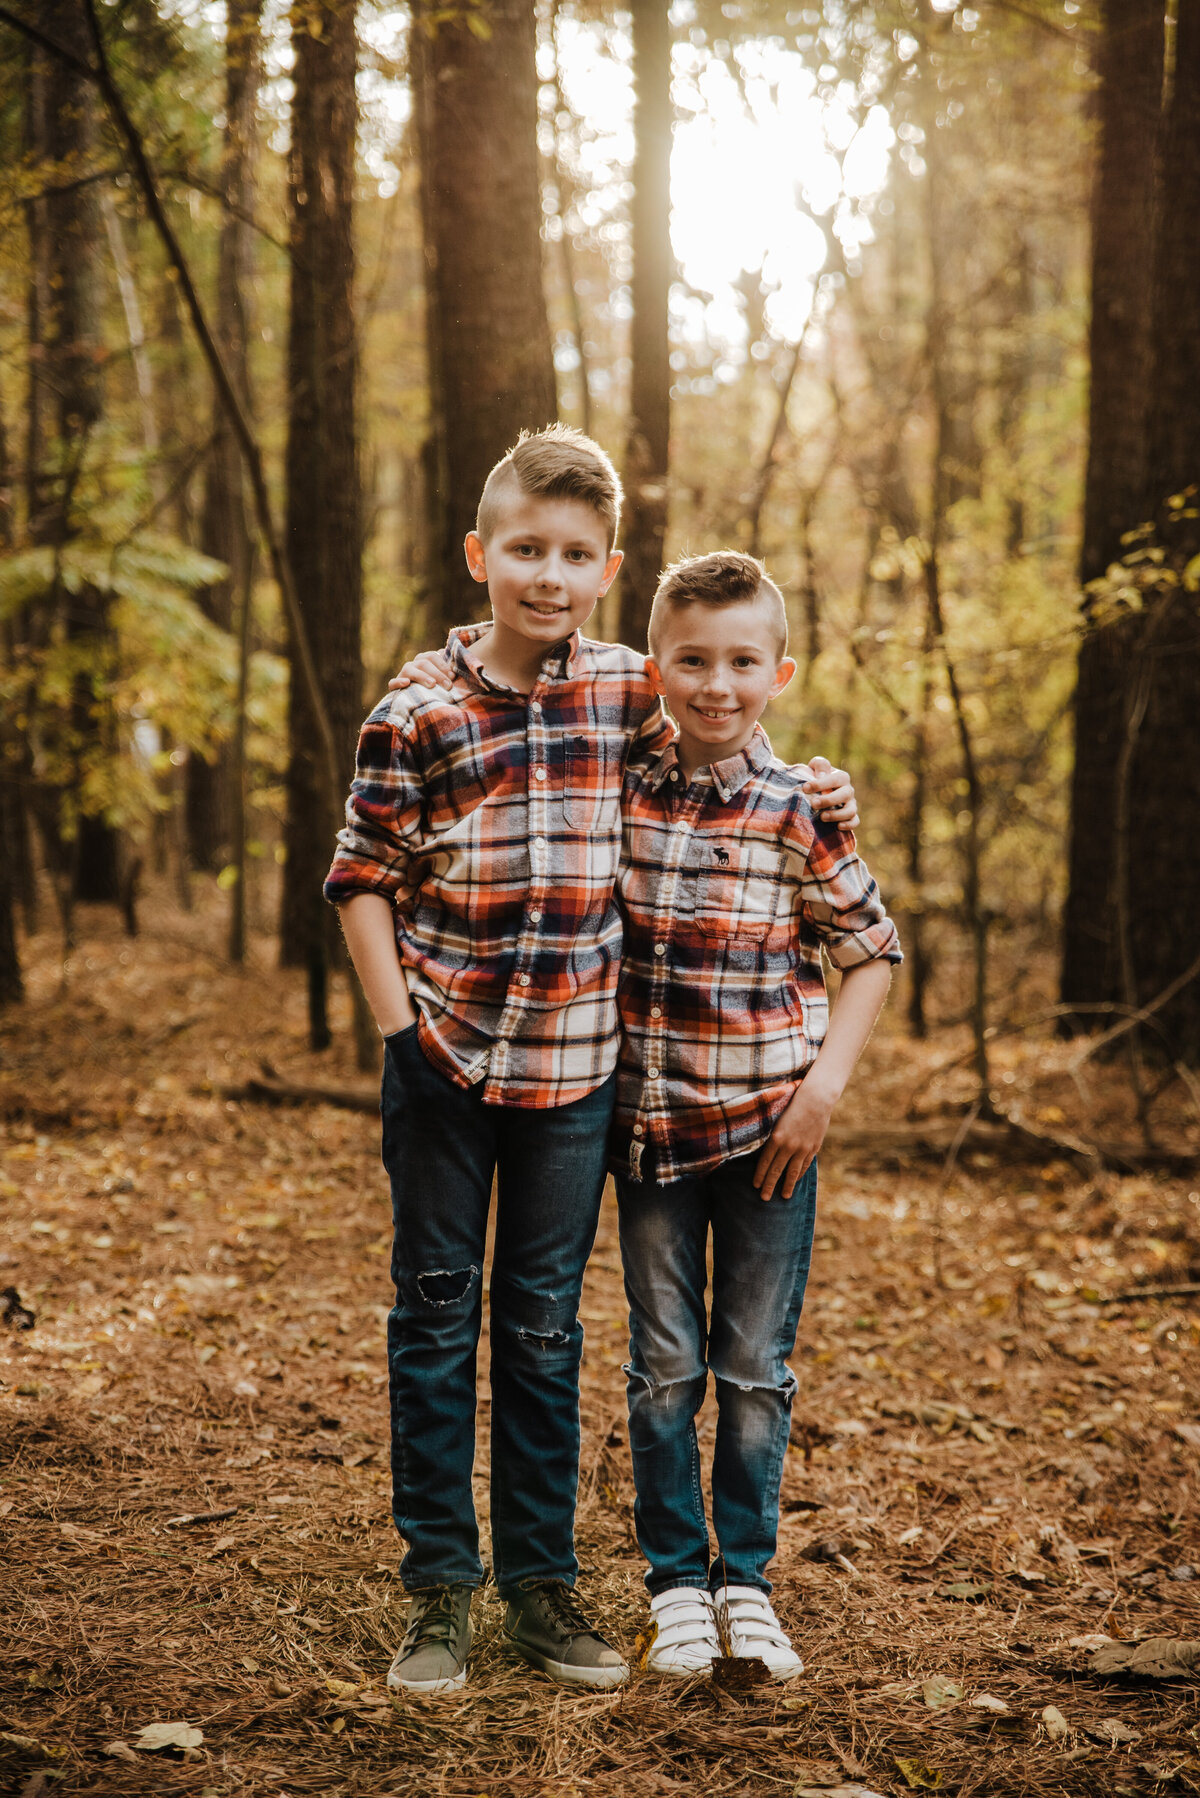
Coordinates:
(1130,66)
(647,447)
(66,407)
(324,522)
(491,368)
(223,526)
(1162,890)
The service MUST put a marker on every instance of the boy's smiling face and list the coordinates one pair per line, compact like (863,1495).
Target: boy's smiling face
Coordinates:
(546,564)
(717,667)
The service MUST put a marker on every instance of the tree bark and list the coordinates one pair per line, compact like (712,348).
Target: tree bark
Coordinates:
(64,410)
(1130,66)
(223,524)
(1161,860)
(324,523)
(1129,918)
(648,442)
(491,367)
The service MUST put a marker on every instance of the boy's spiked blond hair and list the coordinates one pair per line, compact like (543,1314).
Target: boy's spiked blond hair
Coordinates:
(726,577)
(557,463)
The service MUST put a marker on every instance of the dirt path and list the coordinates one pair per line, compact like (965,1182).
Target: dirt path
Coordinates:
(1008,1466)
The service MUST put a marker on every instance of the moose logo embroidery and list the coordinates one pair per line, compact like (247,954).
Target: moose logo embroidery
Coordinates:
(722,856)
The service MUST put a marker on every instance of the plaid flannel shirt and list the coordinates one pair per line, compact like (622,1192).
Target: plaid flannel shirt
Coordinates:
(730,887)
(491,819)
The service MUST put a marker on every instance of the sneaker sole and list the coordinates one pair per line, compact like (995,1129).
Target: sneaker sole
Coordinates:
(703,1671)
(427,1688)
(567,1675)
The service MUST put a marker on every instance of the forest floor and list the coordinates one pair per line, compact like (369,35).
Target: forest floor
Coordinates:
(1005,1460)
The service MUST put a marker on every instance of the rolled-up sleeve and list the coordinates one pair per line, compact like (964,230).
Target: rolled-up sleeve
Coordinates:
(841,902)
(383,815)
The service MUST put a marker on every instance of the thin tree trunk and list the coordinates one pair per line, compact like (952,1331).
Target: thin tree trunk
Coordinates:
(648,443)
(946,480)
(223,524)
(491,369)
(323,500)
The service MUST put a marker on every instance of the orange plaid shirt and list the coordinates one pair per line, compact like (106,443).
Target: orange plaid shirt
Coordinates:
(730,888)
(492,820)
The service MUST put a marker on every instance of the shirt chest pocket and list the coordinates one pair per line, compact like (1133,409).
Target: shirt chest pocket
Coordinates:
(591,787)
(735,886)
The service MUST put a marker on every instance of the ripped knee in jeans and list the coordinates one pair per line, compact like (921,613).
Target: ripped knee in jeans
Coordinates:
(445,1286)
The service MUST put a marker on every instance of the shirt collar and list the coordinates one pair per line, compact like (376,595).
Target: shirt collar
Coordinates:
(558,662)
(728,777)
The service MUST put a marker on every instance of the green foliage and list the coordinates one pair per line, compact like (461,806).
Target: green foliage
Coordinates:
(136,647)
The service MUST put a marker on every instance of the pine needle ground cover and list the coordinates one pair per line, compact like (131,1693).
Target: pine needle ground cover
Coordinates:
(993,1466)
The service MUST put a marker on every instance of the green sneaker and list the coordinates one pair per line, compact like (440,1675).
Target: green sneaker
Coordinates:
(433,1655)
(546,1626)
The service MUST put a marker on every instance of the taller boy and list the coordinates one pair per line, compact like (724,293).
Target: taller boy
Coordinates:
(475,876)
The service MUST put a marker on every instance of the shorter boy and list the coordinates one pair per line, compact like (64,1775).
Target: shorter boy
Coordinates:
(728,1073)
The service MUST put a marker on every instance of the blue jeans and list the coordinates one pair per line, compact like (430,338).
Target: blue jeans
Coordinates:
(441,1148)
(760,1257)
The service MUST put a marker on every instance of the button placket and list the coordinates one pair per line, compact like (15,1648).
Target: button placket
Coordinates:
(654,1086)
(537,783)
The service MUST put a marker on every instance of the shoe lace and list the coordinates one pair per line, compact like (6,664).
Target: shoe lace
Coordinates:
(563,1608)
(435,1621)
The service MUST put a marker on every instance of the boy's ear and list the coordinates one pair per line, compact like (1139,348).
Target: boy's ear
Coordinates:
(473,549)
(783,675)
(616,557)
(656,679)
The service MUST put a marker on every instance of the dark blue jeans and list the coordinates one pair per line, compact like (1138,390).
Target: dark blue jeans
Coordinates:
(760,1256)
(441,1148)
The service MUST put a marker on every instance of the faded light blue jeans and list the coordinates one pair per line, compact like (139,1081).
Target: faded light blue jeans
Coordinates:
(442,1146)
(760,1257)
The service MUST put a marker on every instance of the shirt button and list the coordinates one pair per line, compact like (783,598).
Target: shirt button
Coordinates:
(674,774)
(656,1011)
(660,948)
(535,917)
(539,842)
(539,774)
(535,705)
(522,980)
(652,1073)
(639,1130)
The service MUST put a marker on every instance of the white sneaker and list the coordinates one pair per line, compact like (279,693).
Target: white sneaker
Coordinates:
(685,1640)
(753,1630)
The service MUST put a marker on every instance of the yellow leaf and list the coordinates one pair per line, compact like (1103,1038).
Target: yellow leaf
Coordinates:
(919,1776)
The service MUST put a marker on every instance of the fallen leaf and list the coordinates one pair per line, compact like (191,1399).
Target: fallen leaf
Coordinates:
(986,1701)
(919,1776)
(853,1790)
(965,1590)
(158,1736)
(1158,1657)
(938,1692)
(120,1751)
(912,1535)
(1096,1640)
(341,1688)
(1112,1732)
(1055,1723)
(245,1389)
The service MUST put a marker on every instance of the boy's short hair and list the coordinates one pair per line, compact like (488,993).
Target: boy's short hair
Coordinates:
(726,577)
(557,463)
